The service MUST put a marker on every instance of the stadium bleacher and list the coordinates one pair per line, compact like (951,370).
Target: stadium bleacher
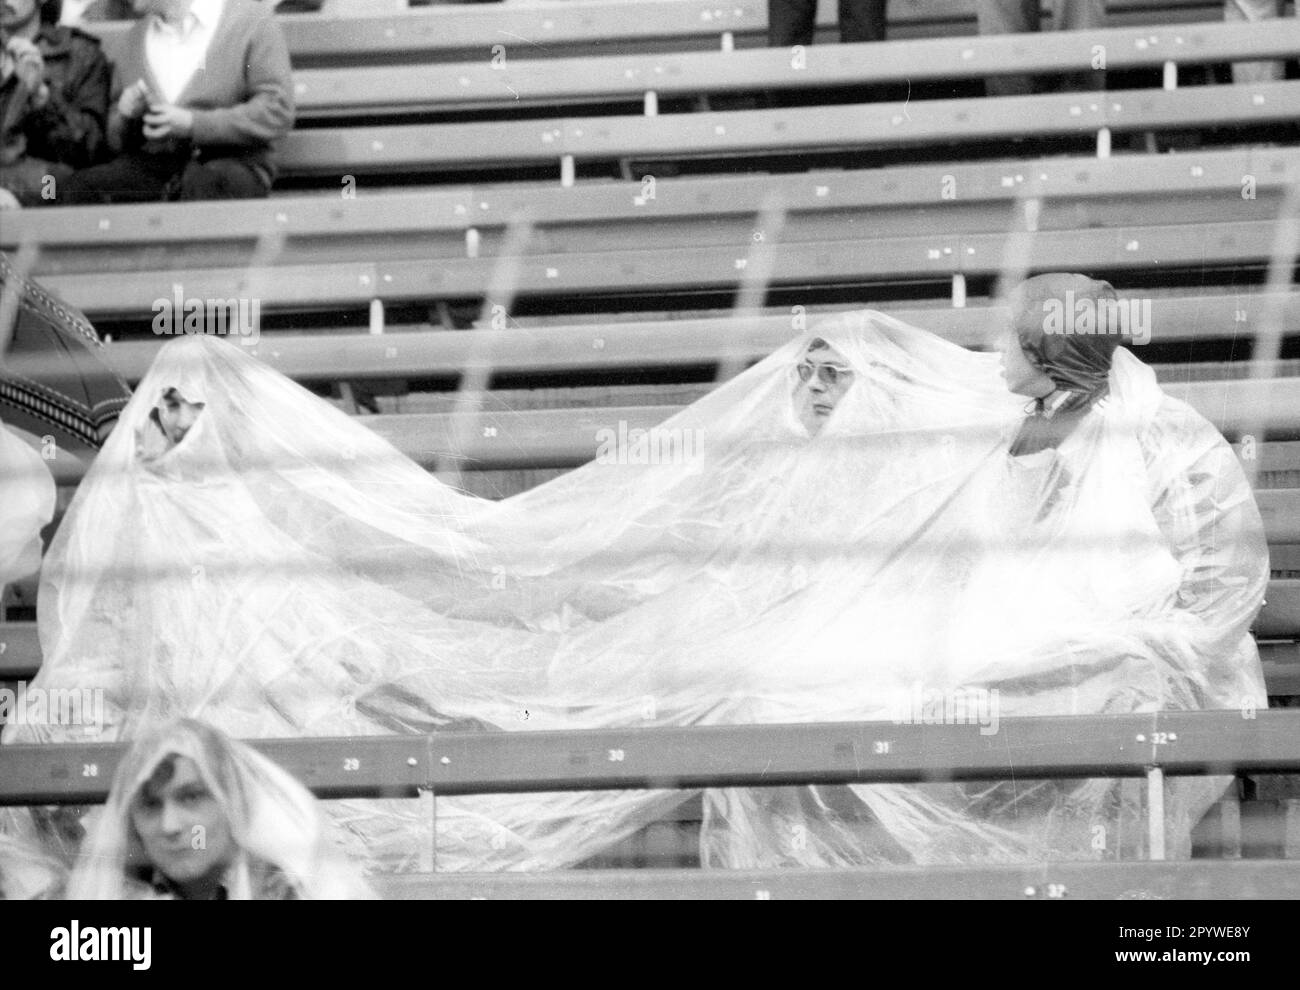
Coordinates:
(600,274)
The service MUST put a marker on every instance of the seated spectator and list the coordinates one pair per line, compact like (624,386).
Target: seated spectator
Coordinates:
(794,22)
(203,92)
(1236,11)
(54,84)
(196,815)
(1018,16)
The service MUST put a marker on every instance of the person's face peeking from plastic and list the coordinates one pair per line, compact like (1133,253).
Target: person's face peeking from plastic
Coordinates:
(176,415)
(169,421)
(183,830)
(824,376)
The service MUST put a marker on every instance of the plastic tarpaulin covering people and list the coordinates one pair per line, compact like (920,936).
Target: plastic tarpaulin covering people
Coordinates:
(28,873)
(829,535)
(27,497)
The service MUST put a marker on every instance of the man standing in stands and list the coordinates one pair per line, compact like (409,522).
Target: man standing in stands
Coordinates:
(203,93)
(54,84)
(794,22)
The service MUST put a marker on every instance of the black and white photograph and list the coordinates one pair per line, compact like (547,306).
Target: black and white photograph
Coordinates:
(670,450)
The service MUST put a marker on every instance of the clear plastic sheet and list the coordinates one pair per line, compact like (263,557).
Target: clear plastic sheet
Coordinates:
(284,571)
(27,497)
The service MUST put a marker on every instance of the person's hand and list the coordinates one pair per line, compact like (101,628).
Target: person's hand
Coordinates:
(29,64)
(134,100)
(8,201)
(164,120)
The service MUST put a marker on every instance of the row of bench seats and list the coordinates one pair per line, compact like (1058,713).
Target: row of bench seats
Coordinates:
(511,762)
(1153,746)
(1189,880)
(517,78)
(621,344)
(1176,251)
(555,29)
(938,202)
(439,149)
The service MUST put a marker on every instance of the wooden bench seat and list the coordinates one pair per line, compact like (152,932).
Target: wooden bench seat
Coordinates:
(956,198)
(1189,880)
(859,260)
(527,78)
(626,344)
(547,29)
(338,151)
(497,762)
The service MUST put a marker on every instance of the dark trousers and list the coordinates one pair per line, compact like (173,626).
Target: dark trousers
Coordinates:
(1017,16)
(138,177)
(35,182)
(793,22)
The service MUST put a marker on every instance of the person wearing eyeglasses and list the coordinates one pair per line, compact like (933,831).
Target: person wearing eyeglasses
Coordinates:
(824,378)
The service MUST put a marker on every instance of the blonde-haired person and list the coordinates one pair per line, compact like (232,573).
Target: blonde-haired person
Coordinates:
(195,815)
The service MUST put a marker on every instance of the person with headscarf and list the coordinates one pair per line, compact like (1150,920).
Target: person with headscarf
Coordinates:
(1091,397)
(1124,559)
(195,815)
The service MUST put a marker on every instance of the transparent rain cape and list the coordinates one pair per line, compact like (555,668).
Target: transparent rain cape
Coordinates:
(284,571)
(27,498)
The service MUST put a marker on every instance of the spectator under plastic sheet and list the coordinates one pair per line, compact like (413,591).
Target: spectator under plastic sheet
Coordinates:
(27,497)
(264,837)
(828,534)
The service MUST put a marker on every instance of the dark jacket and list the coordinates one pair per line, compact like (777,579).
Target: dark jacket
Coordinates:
(70,128)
